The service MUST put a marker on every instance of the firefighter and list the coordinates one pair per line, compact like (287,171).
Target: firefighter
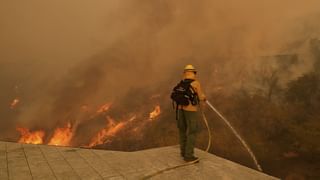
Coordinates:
(188,116)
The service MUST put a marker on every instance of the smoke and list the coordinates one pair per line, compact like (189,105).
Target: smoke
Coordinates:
(58,56)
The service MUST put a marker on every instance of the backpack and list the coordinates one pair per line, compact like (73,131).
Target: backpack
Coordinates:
(183,93)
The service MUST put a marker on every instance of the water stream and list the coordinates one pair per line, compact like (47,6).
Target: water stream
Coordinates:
(237,135)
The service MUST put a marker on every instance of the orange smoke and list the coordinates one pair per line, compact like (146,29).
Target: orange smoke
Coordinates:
(35,137)
(155,113)
(14,103)
(62,136)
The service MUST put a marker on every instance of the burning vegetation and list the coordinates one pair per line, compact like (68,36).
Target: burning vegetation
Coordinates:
(106,134)
(62,136)
(14,103)
(259,63)
(28,137)
(155,113)
(104,108)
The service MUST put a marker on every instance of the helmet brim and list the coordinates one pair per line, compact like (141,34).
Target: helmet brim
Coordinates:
(190,70)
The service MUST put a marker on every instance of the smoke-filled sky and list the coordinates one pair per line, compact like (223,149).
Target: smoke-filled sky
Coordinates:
(56,55)
(70,31)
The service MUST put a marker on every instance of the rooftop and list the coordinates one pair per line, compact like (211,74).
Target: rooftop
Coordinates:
(26,161)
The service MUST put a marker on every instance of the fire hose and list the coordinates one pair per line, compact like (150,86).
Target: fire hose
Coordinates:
(188,163)
(209,143)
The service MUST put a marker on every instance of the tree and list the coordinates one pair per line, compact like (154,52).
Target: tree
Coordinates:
(304,91)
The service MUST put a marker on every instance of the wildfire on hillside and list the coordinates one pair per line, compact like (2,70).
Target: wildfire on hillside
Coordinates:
(35,137)
(110,130)
(133,124)
(85,108)
(14,103)
(155,113)
(62,136)
(104,108)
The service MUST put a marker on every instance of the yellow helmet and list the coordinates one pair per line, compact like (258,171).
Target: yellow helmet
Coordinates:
(189,68)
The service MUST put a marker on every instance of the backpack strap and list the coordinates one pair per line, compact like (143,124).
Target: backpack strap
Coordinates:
(177,112)
(195,96)
(194,91)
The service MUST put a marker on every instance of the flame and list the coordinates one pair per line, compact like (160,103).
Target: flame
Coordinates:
(62,136)
(111,130)
(14,103)
(85,108)
(155,96)
(219,88)
(155,113)
(104,108)
(35,137)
